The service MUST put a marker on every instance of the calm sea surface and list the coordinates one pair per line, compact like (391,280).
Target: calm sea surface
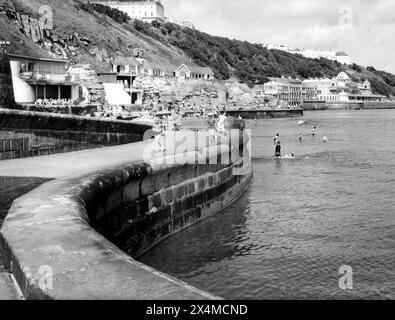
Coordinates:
(301,219)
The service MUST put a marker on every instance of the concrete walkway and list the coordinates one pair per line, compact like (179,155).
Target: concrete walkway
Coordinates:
(64,164)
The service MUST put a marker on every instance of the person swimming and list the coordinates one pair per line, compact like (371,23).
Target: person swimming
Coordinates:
(289,156)
(300,138)
(324,139)
(314,131)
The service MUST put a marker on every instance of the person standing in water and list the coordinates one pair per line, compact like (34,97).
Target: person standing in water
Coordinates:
(276,139)
(278,149)
(300,138)
(314,131)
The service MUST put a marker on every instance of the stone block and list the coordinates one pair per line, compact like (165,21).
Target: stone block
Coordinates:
(131,192)
(142,206)
(169,195)
(162,180)
(189,203)
(114,201)
(148,186)
(132,211)
(180,191)
(210,194)
(178,207)
(166,229)
(201,198)
(211,180)
(178,223)
(191,187)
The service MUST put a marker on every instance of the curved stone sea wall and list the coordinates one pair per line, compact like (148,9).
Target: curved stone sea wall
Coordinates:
(82,227)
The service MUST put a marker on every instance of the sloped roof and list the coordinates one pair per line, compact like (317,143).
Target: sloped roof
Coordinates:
(286,80)
(125,61)
(153,65)
(198,70)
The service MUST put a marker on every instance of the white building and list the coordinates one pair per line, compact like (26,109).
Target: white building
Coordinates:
(341,57)
(146,10)
(185,24)
(342,88)
(292,91)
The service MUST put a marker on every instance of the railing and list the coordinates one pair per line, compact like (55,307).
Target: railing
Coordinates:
(50,77)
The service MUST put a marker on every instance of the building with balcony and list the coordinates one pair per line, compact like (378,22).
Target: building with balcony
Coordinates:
(145,10)
(288,90)
(343,89)
(41,78)
(120,84)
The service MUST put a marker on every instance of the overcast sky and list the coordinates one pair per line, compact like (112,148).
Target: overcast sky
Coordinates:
(363,28)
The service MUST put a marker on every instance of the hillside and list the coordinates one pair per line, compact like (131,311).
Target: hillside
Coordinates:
(84,37)
(94,34)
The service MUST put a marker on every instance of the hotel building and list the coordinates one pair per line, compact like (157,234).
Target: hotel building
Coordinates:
(292,91)
(145,10)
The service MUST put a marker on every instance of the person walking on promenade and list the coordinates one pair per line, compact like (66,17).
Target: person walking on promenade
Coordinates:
(221,125)
(211,128)
(160,132)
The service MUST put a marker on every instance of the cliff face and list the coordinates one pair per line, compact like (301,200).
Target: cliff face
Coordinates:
(82,37)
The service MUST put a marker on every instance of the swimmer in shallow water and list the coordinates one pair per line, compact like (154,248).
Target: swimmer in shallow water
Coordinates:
(324,139)
(289,156)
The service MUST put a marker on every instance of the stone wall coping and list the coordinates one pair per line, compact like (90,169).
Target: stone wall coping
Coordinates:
(33,114)
(50,227)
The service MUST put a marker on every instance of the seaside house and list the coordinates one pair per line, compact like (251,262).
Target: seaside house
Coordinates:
(148,68)
(120,84)
(193,72)
(41,78)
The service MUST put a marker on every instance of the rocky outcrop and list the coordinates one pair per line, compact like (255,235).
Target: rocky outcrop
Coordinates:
(194,92)
(53,41)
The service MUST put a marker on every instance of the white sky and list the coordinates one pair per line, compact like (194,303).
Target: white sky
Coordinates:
(363,28)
